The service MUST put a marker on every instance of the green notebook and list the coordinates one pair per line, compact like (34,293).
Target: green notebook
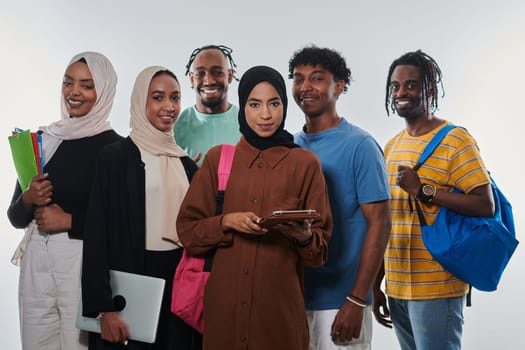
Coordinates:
(23,151)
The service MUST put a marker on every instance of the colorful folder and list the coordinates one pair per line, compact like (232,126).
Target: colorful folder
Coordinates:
(26,149)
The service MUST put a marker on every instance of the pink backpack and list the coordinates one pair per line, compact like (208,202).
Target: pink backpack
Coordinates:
(192,272)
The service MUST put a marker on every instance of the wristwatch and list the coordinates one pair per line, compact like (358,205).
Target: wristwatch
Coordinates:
(426,192)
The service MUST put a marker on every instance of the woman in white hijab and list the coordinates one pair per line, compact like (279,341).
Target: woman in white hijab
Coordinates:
(138,188)
(53,208)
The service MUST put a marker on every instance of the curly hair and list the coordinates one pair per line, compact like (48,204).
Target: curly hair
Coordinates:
(329,59)
(430,78)
(225,50)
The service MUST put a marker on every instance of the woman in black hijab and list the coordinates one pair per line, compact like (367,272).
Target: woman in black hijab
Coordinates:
(249,80)
(254,297)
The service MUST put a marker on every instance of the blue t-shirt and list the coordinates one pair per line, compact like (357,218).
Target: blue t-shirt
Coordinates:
(354,168)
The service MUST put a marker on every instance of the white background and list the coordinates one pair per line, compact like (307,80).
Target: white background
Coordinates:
(479,45)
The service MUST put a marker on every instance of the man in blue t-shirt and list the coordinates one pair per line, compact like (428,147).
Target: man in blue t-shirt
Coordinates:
(338,294)
(212,120)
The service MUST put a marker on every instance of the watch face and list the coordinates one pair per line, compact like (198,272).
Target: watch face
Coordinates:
(428,190)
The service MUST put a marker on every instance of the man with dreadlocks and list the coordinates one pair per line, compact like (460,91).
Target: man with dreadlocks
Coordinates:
(212,120)
(338,295)
(425,302)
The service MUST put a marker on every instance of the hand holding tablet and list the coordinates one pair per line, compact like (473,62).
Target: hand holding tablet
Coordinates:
(284,216)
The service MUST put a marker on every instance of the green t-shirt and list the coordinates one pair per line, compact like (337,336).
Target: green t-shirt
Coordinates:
(198,132)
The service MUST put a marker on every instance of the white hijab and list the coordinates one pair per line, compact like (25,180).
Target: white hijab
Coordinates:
(174,182)
(93,123)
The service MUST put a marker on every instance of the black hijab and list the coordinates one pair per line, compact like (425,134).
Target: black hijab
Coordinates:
(252,77)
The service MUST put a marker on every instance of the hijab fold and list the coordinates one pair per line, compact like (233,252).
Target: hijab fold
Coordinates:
(249,80)
(162,144)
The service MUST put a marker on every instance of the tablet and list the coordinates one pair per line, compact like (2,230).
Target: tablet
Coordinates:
(141,299)
(284,216)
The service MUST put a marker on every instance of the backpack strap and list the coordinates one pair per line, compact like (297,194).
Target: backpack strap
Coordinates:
(225,165)
(432,145)
(427,152)
(223,174)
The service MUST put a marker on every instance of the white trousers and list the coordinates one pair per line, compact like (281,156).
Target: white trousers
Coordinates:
(49,293)
(320,326)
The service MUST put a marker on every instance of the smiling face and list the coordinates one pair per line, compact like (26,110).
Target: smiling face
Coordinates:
(406,92)
(163,102)
(78,89)
(210,77)
(264,109)
(315,91)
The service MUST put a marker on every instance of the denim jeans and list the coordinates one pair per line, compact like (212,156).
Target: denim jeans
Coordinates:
(434,324)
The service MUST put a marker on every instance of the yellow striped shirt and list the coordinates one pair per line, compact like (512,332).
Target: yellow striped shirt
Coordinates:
(411,272)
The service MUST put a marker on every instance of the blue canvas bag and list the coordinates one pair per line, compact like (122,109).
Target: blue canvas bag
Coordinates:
(475,249)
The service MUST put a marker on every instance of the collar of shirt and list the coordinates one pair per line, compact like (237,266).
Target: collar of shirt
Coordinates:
(252,156)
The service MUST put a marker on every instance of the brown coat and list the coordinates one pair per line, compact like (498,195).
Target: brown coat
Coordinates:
(254,297)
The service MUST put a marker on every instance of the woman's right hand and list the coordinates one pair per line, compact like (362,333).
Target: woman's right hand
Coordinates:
(246,222)
(113,329)
(39,192)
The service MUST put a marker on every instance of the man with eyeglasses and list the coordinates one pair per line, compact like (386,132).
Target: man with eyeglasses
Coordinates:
(212,120)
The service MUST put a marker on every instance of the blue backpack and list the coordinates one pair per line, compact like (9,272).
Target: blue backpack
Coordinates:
(475,249)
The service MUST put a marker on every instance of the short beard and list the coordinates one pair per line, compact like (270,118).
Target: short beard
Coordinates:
(211,104)
(413,115)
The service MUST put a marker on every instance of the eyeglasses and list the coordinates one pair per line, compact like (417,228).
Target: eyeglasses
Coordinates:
(201,73)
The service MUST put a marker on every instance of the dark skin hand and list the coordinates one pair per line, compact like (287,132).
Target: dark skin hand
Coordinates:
(52,218)
(301,232)
(113,329)
(408,179)
(248,222)
(478,202)
(48,217)
(38,193)
(380,306)
(245,222)
(347,323)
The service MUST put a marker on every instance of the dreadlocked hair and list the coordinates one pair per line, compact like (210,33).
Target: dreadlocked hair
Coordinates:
(430,78)
(330,60)
(225,50)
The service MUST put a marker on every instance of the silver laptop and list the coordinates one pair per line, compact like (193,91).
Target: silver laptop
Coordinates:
(143,298)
